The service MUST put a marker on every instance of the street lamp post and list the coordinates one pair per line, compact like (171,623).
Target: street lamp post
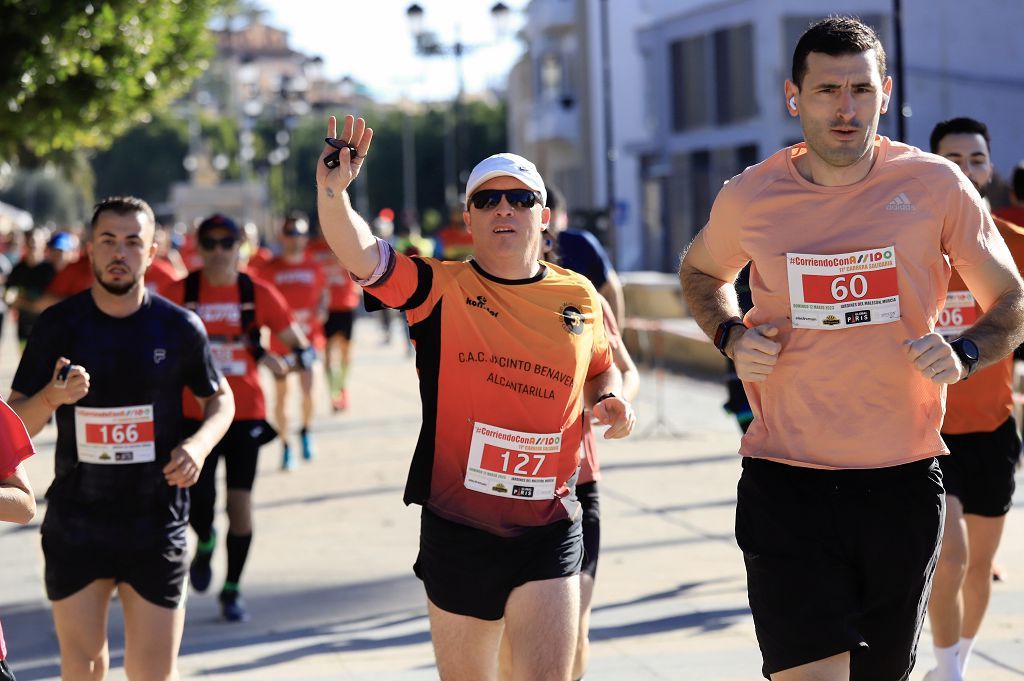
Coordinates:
(429,45)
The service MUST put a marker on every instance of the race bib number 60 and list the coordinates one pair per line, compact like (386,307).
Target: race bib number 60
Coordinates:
(115,435)
(831,292)
(509,463)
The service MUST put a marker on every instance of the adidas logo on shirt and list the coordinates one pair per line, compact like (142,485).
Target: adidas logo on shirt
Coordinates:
(900,203)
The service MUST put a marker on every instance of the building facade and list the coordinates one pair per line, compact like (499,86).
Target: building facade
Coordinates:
(697,95)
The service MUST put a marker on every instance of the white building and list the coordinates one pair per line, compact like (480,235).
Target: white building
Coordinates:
(697,96)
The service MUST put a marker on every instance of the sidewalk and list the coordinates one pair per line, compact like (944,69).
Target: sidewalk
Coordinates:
(329,581)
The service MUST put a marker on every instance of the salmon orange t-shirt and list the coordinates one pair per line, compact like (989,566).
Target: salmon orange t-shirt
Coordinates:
(501,365)
(847,274)
(220,310)
(984,402)
(302,284)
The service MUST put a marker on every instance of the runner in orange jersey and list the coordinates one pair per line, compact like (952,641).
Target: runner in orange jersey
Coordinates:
(508,351)
(982,439)
(301,280)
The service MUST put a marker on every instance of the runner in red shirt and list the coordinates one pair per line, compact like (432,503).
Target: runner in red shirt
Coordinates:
(345,295)
(215,294)
(17,500)
(253,255)
(300,279)
(74,274)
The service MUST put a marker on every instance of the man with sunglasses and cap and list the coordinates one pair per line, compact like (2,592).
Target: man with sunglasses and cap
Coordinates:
(508,352)
(234,308)
(301,281)
(110,364)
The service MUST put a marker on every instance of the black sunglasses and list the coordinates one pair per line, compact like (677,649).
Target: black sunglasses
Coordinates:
(292,232)
(488,199)
(208,243)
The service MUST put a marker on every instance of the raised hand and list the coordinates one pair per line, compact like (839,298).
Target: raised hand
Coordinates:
(354,133)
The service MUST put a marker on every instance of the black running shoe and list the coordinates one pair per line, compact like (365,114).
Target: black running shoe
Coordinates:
(232,607)
(200,573)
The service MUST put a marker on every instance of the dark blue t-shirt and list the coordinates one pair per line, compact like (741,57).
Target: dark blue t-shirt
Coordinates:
(136,361)
(580,251)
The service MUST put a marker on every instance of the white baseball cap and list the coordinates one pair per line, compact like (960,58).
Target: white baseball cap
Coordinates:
(510,165)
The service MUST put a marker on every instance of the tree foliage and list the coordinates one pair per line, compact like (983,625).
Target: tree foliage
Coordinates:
(74,74)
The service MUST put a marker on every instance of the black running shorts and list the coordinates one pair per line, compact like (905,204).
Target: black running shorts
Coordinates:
(839,560)
(239,448)
(158,575)
(471,572)
(980,468)
(591,505)
(339,321)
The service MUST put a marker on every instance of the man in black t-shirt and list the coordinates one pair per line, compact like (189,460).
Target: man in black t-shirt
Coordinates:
(27,282)
(112,362)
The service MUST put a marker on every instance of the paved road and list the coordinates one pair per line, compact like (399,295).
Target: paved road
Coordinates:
(330,584)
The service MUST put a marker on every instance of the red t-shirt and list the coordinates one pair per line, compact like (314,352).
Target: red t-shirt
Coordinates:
(221,314)
(302,284)
(160,275)
(15,447)
(345,293)
(74,278)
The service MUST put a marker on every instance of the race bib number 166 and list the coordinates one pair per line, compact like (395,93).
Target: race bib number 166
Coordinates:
(831,292)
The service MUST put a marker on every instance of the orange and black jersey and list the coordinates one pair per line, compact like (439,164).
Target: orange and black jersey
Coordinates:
(501,366)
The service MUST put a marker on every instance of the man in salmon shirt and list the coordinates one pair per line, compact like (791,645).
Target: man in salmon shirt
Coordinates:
(508,351)
(17,500)
(851,236)
(301,280)
(345,295)
(982,439)
(215,293)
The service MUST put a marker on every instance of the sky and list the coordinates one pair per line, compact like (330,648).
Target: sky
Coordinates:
(371,42)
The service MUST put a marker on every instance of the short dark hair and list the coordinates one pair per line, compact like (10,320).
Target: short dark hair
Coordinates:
(1017,181)
(958,126)
(122,205)
(836,36)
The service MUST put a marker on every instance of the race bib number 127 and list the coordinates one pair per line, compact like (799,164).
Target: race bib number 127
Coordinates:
(832,292)
(514,464)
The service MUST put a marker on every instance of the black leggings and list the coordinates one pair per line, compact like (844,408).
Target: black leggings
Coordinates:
(240,449)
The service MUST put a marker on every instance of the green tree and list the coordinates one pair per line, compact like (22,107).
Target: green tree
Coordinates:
(76,74)
(145,161)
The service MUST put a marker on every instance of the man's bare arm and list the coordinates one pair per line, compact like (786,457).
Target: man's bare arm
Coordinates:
(346,232)
(998,287)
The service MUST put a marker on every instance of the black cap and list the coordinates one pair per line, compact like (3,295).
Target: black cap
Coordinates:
(219,221)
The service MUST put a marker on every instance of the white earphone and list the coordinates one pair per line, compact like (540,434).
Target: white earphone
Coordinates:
(792,103)
(885,99)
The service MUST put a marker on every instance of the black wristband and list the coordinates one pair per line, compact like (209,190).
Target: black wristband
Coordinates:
(604,397)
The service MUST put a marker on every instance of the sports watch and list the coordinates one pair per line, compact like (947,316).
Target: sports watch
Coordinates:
(722,334)
(967,351)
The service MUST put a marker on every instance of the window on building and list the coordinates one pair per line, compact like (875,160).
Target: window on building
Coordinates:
(735,94)
(688,73)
